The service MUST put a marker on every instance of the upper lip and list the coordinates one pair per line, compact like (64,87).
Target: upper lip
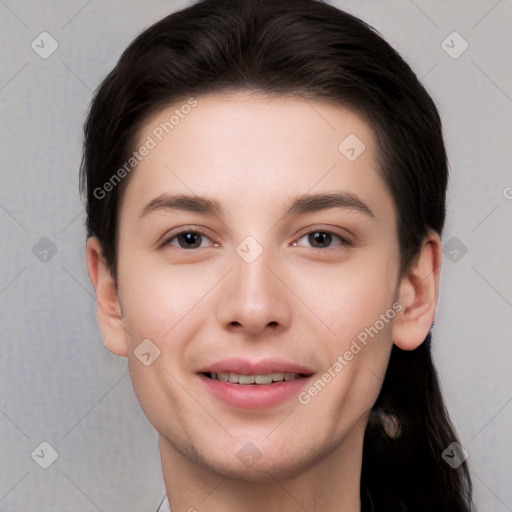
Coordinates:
(243,366)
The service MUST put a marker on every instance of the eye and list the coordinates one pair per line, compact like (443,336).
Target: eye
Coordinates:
(322,239)
(188,240)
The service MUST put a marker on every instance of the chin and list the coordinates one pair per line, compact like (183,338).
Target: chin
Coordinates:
(271,464)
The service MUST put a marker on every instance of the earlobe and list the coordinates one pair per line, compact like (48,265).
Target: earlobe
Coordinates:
(418,295)
(109,311)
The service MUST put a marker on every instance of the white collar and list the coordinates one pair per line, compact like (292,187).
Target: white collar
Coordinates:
(164,506)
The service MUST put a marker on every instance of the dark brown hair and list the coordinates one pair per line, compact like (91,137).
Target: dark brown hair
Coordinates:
(311,49)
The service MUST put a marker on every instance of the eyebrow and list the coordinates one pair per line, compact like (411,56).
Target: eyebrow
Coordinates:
(304,204)
(322,201)
(183,202)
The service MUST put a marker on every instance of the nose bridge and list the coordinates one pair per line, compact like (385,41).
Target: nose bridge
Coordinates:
(256,282)
(254,298)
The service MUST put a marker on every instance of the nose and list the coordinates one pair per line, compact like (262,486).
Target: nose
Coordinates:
(253,297)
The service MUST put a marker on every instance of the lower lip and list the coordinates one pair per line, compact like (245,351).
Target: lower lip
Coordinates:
(254,396)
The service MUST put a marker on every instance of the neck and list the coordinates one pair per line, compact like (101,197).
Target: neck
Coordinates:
(331,484)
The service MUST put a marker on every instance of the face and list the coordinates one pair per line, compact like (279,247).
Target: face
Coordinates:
(253,247)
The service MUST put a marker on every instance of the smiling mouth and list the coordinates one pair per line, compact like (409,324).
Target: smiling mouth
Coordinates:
(254,379)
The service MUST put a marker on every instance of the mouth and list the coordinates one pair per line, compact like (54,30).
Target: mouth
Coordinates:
(254,379)
(246,384)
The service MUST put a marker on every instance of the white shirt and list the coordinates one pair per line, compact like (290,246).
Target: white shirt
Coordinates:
(164,506)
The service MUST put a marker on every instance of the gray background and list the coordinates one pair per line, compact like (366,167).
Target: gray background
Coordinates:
(57,382)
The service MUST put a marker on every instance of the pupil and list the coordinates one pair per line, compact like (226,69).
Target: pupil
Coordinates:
(320,238)
(190,240)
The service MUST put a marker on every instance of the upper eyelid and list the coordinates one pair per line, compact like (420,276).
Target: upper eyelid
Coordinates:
(329,229)
(166,240)
(344,240)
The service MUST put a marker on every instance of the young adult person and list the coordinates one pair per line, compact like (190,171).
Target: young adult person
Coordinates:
(265,184)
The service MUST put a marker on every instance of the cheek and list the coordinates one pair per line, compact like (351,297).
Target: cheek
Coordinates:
(156,299)
(349,297)
(160,392)
(356,302)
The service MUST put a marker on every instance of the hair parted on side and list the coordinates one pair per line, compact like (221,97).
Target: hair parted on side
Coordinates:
(310,49)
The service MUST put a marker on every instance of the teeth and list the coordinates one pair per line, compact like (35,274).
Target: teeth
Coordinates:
(223,376)
(263,379)
(235,378)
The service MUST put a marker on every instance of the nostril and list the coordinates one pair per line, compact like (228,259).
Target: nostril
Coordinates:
(270,325)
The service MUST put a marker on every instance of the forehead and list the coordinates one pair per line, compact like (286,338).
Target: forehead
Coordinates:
(245,149)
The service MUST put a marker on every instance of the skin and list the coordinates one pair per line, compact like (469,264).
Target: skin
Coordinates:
(255,155)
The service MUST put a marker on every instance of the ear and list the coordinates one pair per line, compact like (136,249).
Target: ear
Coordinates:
(110,316)
(418,294)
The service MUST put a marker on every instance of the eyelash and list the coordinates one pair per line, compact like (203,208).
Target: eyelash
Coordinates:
(343,241)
